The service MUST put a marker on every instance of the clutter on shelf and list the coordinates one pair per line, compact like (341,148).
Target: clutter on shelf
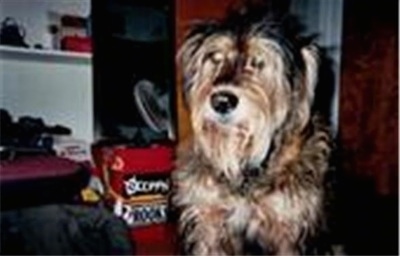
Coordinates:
(75,34)
(64,32)
(12,33)
(31,135)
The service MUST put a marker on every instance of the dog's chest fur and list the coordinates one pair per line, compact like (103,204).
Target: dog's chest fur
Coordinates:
(279,207)
(238,210)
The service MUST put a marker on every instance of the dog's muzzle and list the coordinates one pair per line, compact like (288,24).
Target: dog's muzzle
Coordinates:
(224,102)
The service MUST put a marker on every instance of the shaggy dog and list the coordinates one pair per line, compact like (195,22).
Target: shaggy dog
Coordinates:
(252,180)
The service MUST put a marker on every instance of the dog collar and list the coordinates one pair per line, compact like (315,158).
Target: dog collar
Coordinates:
(253,172)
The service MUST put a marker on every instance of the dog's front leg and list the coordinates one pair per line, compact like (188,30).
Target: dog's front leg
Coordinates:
(203,232)
(283,219)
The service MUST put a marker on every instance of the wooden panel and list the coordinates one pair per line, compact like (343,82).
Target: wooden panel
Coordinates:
(368,125)
(369,93)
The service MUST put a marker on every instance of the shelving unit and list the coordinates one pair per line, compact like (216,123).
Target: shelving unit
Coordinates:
(20,52)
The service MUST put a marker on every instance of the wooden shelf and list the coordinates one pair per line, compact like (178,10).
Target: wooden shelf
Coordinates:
(20,52)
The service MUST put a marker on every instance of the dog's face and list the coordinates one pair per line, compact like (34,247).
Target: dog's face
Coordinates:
(243,87)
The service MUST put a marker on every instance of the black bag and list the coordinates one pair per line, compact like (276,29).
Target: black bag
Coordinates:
(12,34)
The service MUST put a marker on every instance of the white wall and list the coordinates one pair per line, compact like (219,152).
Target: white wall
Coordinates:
(58,89)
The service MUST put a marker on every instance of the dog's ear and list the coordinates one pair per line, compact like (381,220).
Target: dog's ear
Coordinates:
(311,58)
(186,62)
(188,56)
(186,52)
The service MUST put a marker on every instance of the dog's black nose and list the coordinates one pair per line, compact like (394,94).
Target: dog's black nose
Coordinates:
(224,102)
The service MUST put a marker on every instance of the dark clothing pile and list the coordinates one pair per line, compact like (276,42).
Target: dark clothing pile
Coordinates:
(63,230)
(29,135)
(41,210)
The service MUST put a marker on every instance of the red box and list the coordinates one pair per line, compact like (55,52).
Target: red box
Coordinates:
(121,166)
(76,44)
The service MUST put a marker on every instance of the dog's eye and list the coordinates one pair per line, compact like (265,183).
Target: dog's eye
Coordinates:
(257,62)
(217,57)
